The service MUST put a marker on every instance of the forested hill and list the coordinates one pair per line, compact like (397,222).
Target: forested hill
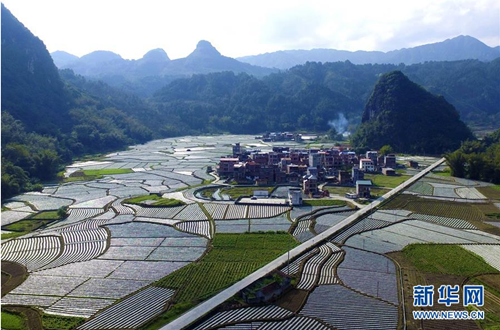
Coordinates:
(32,90)
(308,96)
(46,121)
(402,114)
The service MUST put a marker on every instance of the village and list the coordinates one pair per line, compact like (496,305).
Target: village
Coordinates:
(308,169)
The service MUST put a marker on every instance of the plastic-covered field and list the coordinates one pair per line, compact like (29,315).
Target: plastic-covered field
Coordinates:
(142,229)
(296,322)
(369,273)
(232,226)
(145,270)
(294,266)
(312,268)
(449,222)
(79,307)
(343,308)
(132,311)
(91,268)
(107,288)
(217,211)
(176,253)
(9,217)
(236,212)
(43,202)
(265,211)
(34,252)
(28,300)
(279,223)
(196,227)
(156,212)
(191,212)
(95,203)
(397,236)
(48,285)
(244,315)
(490,253)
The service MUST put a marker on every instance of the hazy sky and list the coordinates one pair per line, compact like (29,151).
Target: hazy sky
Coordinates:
(237,28)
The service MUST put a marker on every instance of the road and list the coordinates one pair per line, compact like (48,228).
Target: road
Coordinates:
(204,308)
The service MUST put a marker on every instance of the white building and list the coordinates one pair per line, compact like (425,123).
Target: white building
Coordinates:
(367,165)
(295,196)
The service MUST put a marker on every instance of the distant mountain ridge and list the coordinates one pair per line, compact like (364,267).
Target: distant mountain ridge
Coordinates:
(458,48)
(155,66)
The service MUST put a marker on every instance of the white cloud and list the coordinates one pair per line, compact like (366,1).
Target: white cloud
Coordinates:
(131,28)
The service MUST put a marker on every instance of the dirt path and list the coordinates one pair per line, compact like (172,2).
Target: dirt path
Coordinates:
(13,274)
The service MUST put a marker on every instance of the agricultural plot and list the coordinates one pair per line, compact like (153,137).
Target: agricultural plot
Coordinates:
(444,190)
(312,268)
(191,212)
(48,285)
(232,226)
(128,252)
(294,266)
(143,241)
(156,212)
(399,235)
(343,308)
(42,202)
(448,209)
(490,253)
(143,229)
(176,253)
(145,270)
(133,311)
(325,221)
(236,212)
(264,211)
(216,211)
(296,322)
(78,307)
(449,222)
(279,223)
(327,274)
(107,288)
(369,273)
(92,268)
(168,222)
(9,217)
(422,188)
(29,300)
(244,315)
(95,203)
(469,193)
(195,227)
(76,252)
(33,252)
(360,226)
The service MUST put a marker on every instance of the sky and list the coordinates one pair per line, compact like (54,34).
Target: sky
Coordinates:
(239,28)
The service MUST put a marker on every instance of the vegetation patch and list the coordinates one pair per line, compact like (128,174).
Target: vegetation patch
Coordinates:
(57,322)
(447,209)
(339,190)
(154,200)
(47,215)
(381,180)
(12,235)
(233,255)
(490,191)
(26,226)
(446,259)
(323,202)
(107,171)
(235,192)
(12,321)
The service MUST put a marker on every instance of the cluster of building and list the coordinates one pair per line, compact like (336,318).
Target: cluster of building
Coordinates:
(306,167)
